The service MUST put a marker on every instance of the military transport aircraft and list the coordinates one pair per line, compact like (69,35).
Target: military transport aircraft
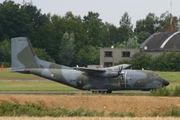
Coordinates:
(24,60)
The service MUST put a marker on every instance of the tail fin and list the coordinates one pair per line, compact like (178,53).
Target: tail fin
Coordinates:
(22,54)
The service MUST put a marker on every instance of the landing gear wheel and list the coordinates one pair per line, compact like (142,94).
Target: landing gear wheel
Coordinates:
(95,92)
(98,92)
(109,91)
(101,92)
(153,90)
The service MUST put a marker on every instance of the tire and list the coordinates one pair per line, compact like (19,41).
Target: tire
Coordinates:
(109,91)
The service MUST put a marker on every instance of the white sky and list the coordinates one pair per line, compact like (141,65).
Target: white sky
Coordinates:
(110,11)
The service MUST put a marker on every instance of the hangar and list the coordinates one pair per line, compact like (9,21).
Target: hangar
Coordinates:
(154,45)
(162,41)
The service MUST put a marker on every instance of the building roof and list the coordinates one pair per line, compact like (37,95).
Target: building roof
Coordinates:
(162,41)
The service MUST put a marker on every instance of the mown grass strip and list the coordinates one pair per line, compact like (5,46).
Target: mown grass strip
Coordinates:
(34,86)
(6,74)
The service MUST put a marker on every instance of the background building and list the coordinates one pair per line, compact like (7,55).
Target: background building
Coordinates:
(154,45)
(162,41)
(112,56)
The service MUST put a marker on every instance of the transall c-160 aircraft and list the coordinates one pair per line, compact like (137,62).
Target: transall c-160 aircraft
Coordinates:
(24,60)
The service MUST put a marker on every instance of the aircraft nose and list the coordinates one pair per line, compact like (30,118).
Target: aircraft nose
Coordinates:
(165,83)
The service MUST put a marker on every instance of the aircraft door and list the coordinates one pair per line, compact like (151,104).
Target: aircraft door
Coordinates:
(134,79)
(81,81)
(130,76)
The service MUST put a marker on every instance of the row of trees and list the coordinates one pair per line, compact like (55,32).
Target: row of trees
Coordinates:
(166,61)
(72,39)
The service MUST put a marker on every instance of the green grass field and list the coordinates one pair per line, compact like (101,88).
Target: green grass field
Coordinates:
(9,81)
(172,77)
(6,74)
(34,86)
(22,85)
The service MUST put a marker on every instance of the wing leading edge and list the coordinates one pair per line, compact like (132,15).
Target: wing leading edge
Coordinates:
(101,70)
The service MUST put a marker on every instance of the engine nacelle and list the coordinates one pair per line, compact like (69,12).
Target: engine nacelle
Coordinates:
(108,74)
(114,74)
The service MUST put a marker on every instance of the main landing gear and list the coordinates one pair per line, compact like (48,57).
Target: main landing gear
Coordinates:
(101,91)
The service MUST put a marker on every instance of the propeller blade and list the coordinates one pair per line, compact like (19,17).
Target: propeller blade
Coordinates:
(120,70)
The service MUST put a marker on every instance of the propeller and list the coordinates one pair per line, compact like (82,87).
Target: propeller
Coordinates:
(120,70)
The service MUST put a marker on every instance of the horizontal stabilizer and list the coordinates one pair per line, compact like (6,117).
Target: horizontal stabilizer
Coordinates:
(21,71)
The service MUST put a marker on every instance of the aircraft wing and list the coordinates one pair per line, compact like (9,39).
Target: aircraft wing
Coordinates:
(101,70)
(90,70)
(117,67)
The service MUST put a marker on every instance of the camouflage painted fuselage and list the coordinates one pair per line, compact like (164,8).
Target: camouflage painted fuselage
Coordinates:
(130,80)
(24,60)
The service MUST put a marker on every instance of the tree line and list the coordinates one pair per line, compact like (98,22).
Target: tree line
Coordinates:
(72,39)
(166,61)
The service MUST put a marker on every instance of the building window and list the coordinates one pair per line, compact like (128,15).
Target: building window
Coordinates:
(108,54)
(108,64)
(125,54)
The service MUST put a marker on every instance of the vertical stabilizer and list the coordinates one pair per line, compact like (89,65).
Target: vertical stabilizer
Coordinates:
(22,54)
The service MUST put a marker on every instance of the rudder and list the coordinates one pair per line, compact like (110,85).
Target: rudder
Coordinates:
(22,54)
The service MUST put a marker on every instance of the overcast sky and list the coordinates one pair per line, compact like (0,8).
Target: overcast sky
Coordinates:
(110,11)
